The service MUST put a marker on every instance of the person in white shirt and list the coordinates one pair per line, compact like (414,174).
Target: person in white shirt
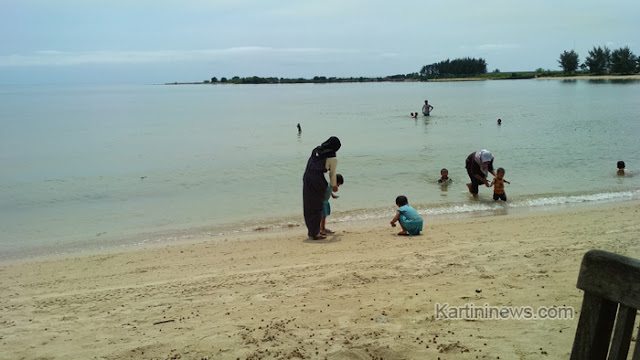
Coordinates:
(426,108)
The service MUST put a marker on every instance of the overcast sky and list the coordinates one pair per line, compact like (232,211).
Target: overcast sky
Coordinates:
(157,41)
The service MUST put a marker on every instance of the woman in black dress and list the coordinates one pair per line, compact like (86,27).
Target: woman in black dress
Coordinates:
(314,185)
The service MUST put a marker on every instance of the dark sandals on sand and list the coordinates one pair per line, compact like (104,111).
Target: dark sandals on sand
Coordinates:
(319,237)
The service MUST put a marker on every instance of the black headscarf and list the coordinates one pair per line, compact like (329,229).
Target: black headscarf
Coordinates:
(329,147)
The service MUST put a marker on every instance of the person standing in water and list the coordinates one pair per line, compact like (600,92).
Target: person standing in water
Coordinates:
(479,164)
(426,108)
(498,186)
(314,185)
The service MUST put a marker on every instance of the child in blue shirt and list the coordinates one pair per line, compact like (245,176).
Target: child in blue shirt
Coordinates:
(326,207)
(409,219)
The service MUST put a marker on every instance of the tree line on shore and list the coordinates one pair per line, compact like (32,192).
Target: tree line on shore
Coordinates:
(600,60)
(315,79)
(465,67)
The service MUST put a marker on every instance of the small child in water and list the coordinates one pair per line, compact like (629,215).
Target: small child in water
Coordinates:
(409,219)
(326,207)
(444,177)
(498,185)
(621,169)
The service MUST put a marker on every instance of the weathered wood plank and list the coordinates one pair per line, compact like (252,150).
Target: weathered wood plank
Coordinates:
(611,276)
(622,333)
(594,328)
(636,350)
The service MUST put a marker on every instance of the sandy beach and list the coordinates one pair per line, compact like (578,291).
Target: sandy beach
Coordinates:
(363,293)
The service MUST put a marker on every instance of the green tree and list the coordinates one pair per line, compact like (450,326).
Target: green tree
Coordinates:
(569,61)
(456,67)
(223,80)
(623,61)
(214,79)
(599,60)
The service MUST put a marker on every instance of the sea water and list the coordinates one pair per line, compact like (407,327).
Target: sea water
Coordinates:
(101,166)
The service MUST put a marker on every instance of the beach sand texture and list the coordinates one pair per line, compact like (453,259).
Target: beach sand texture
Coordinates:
(361,294)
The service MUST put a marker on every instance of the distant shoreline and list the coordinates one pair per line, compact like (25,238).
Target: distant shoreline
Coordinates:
(592,77)
(574,77)
(521,76)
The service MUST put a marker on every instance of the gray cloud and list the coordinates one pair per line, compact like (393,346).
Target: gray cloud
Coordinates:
(67,58)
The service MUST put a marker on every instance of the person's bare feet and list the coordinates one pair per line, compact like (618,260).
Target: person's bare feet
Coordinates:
(469,186)
(319,237)
(403,233)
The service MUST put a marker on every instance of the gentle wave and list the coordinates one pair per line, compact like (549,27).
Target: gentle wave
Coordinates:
(533,202)
(575,199)
(477,208)
(481,207)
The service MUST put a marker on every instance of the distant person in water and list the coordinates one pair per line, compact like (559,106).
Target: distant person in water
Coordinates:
(409,219)
(622,171)
(426,108)
(299,128)
(499,121)
(444,177)
(479,164)
(415,116)
(412,115)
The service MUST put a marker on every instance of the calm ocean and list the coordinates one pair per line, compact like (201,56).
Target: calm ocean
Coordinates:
(97,167)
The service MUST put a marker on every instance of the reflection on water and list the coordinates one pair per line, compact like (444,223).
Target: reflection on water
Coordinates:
(614,81)
(621,81)
(624,81)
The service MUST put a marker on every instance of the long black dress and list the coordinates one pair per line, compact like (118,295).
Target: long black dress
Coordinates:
(314,185)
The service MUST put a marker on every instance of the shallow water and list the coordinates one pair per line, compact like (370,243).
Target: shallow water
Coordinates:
(103,166)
